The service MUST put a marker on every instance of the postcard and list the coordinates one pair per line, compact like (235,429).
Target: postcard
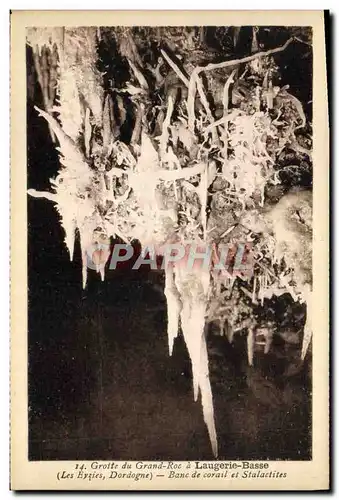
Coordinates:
(169,250)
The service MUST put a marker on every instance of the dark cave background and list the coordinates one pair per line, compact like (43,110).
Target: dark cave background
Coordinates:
(101,383)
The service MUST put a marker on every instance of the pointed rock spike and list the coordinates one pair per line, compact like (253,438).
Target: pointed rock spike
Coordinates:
(173,308)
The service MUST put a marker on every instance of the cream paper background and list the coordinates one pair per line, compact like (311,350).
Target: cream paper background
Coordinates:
(43,475)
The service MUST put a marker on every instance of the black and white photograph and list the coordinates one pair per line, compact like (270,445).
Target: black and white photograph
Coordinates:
(169,195)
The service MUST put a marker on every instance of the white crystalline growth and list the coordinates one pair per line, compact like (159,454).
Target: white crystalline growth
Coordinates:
(74,192)
(187,294)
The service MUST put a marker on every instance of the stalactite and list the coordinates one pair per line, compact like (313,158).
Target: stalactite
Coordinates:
(193,287)
(174,307)
(140,190)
